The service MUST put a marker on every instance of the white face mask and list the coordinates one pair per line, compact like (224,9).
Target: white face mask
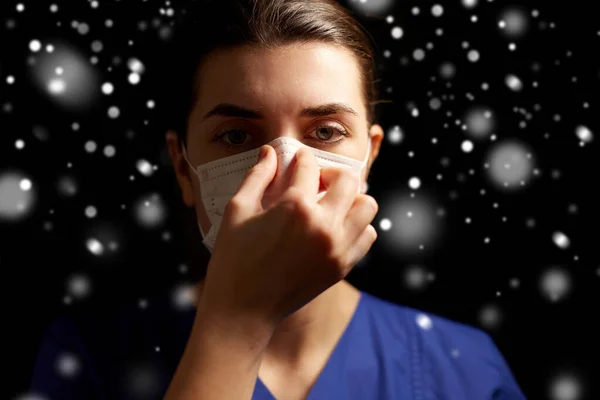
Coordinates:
(221,179)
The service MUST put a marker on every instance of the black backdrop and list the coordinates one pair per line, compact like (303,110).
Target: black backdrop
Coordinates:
(540,339)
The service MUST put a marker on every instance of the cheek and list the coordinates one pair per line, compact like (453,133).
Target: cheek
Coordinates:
(363,181)
(322,187)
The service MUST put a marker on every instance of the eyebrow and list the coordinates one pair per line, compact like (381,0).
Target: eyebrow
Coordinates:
(231,110)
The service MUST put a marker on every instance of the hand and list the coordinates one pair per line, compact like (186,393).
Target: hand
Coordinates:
(268,263)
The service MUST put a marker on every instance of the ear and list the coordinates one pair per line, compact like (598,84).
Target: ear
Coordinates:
(181,168)
(375,136)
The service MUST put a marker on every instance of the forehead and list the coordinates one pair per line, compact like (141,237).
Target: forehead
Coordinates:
(279,80)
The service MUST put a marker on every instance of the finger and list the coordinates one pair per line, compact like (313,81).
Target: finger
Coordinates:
(341,189)
(256,181)
(305,173)
(363,211)
(360,247)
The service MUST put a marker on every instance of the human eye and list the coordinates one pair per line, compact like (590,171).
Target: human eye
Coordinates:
(339,130)
(234,140)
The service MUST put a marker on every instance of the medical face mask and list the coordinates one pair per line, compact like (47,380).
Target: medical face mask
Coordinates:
(221,179)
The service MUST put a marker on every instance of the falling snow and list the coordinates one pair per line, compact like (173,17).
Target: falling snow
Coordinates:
(555,283)
(424,321)
(565,387)
(397,32)
(482,155)
(514,83)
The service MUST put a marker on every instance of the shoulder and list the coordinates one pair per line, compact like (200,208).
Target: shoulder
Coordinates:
(450,359)
(431,328)
(101,352)
(128,324)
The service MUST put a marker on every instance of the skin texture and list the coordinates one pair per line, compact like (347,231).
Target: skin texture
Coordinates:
(280,83)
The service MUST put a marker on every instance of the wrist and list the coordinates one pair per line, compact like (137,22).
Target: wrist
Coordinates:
(247,330)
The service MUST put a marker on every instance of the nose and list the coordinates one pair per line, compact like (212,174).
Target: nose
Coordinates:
(282,180)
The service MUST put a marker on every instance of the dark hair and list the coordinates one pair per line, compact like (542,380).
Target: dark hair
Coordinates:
(220,24)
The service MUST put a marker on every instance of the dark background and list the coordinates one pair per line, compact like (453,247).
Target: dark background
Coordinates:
(542,340)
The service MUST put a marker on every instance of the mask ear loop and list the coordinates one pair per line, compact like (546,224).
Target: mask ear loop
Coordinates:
(366,161)
(185,157)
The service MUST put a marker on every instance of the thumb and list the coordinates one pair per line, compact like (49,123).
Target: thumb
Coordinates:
(257,180)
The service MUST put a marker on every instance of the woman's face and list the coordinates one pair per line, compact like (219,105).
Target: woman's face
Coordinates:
(276,85)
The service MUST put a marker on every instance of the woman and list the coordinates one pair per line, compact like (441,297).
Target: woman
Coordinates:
(274,317)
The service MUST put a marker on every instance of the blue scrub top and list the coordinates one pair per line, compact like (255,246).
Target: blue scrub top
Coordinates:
(387,351)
